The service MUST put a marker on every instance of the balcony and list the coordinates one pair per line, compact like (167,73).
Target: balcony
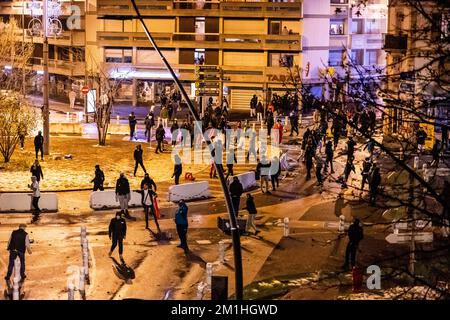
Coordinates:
(67,68)
(206,41)
(367,41)
(203,8)
(397,43)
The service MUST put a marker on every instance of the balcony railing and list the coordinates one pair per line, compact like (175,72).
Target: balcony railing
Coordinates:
(208,40)
(69,68)
(368,41)
(210,8)
(20,7)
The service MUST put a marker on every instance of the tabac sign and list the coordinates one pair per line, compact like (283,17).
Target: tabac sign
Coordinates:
(282,78)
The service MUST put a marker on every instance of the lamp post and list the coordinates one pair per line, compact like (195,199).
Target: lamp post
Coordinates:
(45,106)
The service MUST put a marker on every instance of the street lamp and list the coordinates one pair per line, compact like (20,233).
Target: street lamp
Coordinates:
(233,222)
(48,25)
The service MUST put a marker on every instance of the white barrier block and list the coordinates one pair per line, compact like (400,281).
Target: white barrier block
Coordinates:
(247,180)
(107,200)
(21,202)
(189,191)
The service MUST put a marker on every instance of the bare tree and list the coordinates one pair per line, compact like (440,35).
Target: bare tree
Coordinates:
(17,119)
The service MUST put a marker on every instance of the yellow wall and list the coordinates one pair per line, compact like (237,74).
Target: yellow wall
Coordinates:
(257,59)
(151,57)
(244,27)
(157,25)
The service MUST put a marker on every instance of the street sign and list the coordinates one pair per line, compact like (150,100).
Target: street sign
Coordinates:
(395,238)
(85,90)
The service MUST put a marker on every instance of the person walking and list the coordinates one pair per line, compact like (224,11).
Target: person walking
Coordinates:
(149,122)
(72,97)
(355,235)
(421,136)
(236,190)
(149,181)
(259,112)
(435,153)
(160,135)
(319,167)
(117,232)
(36,170)
(253,104)
(36,195)
(149,208)
(39,145)
(293,119)
(164,116)
(309,155)
(374,183)
(263,172)
(275,172)
(99,179)
(18,243)
(329,154)
(22,133)
(366,166)
(350,147)
(181,221)
(251,209)
(349,167)
(123,195)
(132,123)
(138,159)
(174,132)
(177,169)
(270,122)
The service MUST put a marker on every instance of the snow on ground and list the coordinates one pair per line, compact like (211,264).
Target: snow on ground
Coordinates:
(77,173)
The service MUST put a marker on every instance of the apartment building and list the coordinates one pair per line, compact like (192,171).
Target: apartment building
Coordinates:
(251,42)
(413,42)
(331,27)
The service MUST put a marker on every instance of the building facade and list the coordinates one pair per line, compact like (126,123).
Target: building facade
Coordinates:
(251,42)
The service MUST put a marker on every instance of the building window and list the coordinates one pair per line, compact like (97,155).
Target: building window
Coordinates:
(118,55)
(357,56)
(199,56)
(371,57)
(281,60)
(339,1)
(373,26)
(335,58)
(357,26)
(337,27)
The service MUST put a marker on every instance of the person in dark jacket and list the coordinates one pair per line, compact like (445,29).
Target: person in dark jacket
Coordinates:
(309,155)
(181,221)
(366,166)
(374,183)
(39,145)
(149,181)
(138,159)
(329,153)
(236,190)
(149,122)
(99,179)
(117,232)
(349,167)
(132,123)
(174,131)
(350,147)
(160,135)
(177,169)
(293,118)
(123,193)
(36,171)
(435,153)
(251,209)
(147,195)
(421,136)
(355,235)
(18,243)
(270,121)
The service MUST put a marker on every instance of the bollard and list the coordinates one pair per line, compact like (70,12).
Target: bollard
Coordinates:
(253,126)
(286,227)
(401,156)
(80,116)
(426,176)
(341,227)
(81,285)
(394,226)
(222,251)
(117,120)
(209,271)
(17,269)
(16,295)
(71,291)
(416,163)
(68,116)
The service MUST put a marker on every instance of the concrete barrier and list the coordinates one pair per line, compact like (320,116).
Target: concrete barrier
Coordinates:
(21,202)
(107,200)
(247,180)
(189,191)
(69,127)
(114,128)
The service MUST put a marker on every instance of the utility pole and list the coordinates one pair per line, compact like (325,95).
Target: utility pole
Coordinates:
(238,272)
(23,50)
(45,106)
